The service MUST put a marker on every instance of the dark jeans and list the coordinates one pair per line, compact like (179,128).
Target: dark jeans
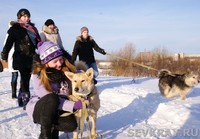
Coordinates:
(14,77)
(94,66)
(14,84)
(46,114)
(25,80)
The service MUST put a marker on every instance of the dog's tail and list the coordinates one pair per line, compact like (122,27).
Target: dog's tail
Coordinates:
(80,65)
(163,73)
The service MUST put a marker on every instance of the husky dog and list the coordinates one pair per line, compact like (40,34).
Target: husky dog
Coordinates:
(172,85)
(83,87)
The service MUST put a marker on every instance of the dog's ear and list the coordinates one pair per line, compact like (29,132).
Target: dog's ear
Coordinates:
(90,73)
(69,75)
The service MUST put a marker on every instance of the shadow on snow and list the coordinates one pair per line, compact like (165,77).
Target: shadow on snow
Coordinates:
(137,111)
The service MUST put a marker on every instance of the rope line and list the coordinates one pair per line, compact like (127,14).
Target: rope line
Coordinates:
(141,65)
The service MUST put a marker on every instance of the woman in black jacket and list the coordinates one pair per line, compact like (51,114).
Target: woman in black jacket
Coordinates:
(24,36)
(83,48)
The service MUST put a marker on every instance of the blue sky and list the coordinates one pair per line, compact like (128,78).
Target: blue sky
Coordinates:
(148,24)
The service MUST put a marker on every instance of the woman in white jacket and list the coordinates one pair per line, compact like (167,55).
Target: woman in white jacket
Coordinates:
(50,32)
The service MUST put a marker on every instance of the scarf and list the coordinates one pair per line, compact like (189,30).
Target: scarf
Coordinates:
(32,31)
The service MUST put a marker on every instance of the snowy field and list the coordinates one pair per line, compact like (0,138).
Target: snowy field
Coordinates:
(129,110)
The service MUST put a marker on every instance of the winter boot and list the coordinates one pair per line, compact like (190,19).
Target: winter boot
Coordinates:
(23,99)
(19,98)
(14,89)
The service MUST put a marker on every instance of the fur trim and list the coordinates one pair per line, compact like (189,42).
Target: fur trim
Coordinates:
(12,23)
(79,38)
(37,66)
(50,31)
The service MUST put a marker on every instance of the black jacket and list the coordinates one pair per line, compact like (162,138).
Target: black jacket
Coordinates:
(84,49)
(24,47)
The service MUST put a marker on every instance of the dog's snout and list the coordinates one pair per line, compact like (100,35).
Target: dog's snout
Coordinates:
(198,81)
(76,89)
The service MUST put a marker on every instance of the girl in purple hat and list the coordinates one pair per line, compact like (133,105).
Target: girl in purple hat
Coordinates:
(51,89)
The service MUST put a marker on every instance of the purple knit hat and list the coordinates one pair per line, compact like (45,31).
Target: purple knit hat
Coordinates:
(48,51)
(84,29)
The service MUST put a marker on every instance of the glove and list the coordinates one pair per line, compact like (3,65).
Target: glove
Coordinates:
(55,87)
(4,57)
(103,52)
(78,105)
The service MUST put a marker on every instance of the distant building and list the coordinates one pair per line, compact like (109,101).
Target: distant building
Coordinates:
(104,64)
(178,56)
(104,67)
(145,56)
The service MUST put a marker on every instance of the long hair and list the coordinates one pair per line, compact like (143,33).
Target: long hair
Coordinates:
(40,69)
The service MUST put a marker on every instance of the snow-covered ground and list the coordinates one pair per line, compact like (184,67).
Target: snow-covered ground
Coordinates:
(128,110)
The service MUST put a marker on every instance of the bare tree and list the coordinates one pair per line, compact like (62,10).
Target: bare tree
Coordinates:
(124,62)
(120,66)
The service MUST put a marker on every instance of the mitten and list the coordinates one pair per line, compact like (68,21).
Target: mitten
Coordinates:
(55,87)
(103,52)
(4,57)
(78,105)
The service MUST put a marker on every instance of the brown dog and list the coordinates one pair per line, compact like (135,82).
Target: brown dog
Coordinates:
(83,88)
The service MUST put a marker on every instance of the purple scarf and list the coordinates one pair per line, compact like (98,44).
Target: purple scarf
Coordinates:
(28,26)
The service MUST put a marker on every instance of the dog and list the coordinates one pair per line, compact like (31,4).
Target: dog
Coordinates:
(171,85)
(83,88)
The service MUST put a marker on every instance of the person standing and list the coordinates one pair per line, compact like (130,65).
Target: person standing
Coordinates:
(24,36)
(83,48)
(51,90)
(50,32)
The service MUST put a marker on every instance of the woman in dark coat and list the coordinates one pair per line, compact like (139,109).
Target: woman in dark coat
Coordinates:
(83,48)
(24,36)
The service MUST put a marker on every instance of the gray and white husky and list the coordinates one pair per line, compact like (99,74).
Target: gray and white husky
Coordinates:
(172,85)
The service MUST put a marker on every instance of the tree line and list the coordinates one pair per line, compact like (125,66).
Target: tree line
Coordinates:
(158,58)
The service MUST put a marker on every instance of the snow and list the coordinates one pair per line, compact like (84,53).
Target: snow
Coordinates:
(130,109)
